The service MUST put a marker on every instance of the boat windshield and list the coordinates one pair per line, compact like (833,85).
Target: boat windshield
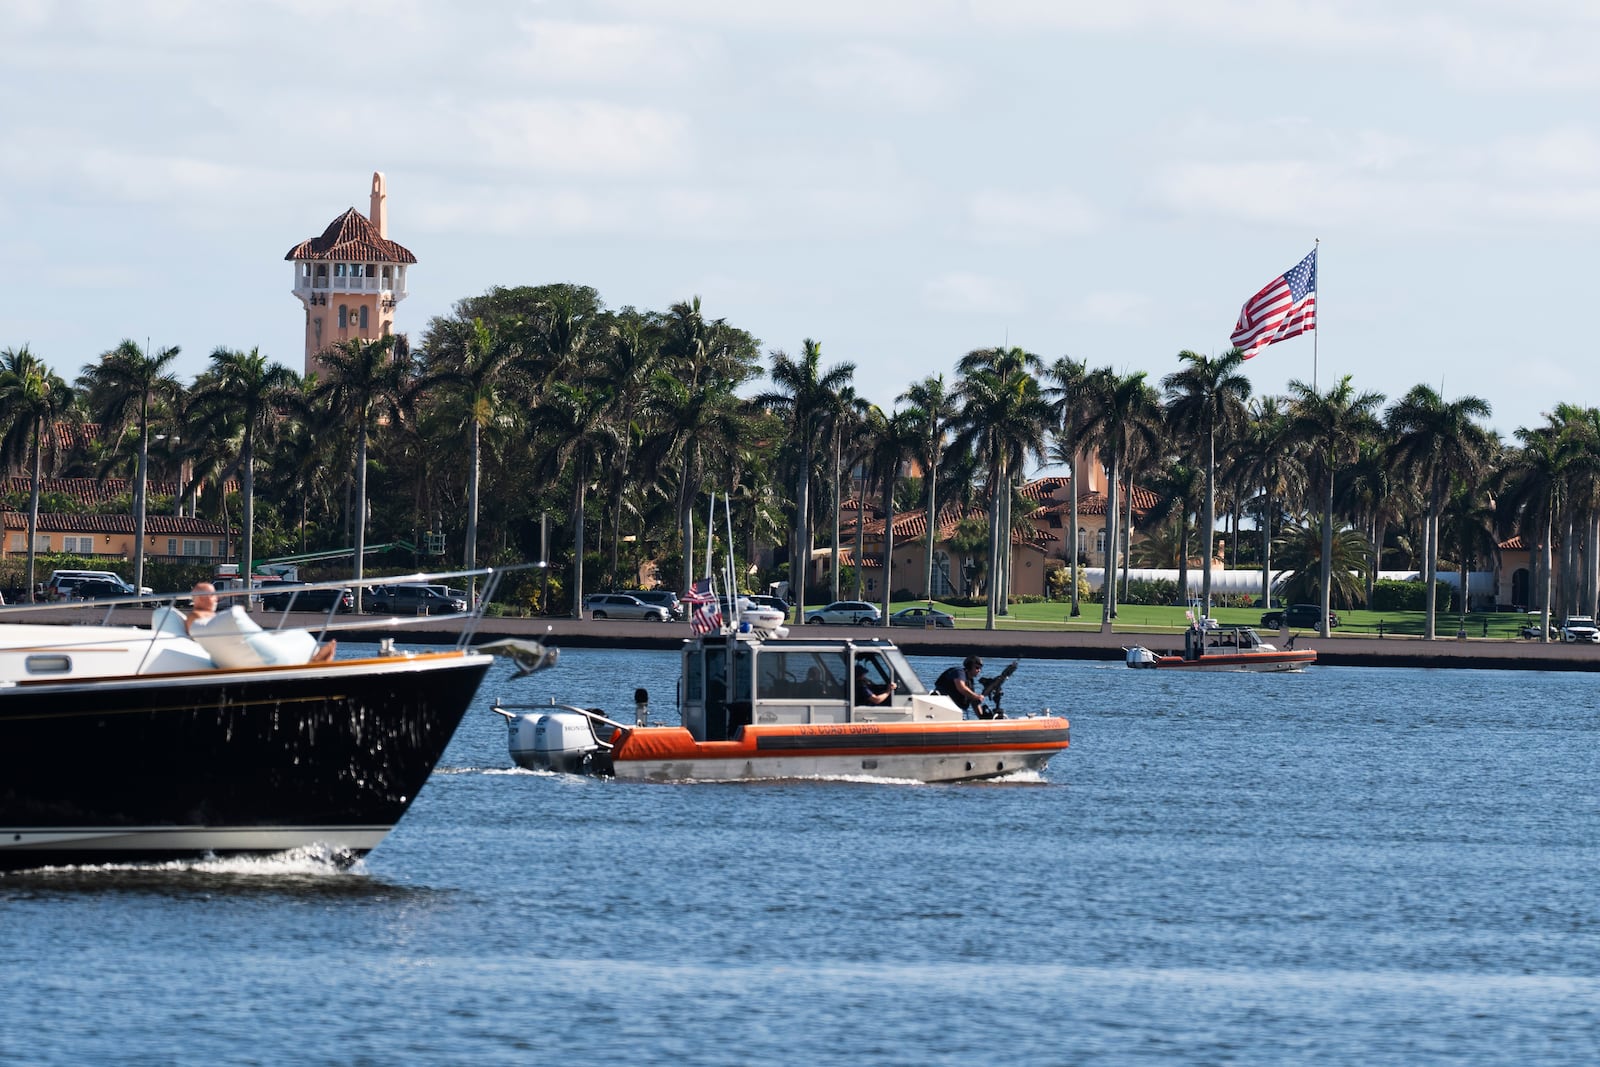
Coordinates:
(803,674)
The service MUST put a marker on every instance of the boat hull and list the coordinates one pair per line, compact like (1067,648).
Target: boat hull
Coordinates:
(927,752)
(223,762)
(1261,662)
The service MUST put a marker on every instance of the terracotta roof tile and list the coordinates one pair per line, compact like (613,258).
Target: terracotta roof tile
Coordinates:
(115,524)
(353,239)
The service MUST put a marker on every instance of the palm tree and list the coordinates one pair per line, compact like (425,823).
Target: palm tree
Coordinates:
(572,422)
(124,389)
(1312,560)
(932,411)
(1533,493)
(1268,461)
(895,439)
(244,390)
(1371,494)
(1121,416)
(363,381)
(1067,378)
(32,398)
(1179,491)
(1003,422)
(479,374)
(1205,397)
(1334,423)
(1438,442)
(806,394)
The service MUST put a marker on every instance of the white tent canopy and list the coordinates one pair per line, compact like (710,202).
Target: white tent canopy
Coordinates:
(1228,582)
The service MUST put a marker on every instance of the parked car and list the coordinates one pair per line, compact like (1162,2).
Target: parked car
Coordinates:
(1302,616)
(288,596)
(847,613)
(665,598)
(411,600)
(1577,628)
(623,606)
(923,618)
(61,583)
(1531,630)
(97,589)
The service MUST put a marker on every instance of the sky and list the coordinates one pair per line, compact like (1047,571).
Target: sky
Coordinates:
(903,181)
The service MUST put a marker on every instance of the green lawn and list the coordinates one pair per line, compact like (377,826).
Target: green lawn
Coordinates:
(1054,616)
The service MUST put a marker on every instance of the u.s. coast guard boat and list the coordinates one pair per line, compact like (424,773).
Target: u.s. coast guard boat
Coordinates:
(1223,648)
(756,703)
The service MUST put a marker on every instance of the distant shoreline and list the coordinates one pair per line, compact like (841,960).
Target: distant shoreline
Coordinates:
(1474,653)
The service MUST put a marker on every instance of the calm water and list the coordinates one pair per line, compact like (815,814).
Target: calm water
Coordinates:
(1343,866)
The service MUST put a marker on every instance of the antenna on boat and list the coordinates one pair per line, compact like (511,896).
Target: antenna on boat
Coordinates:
(733,588)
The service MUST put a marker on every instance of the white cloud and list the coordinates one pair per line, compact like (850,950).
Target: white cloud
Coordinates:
(873,76)
(1109,308)
(569,136)
(962,291)
(597,53)
(1013,216)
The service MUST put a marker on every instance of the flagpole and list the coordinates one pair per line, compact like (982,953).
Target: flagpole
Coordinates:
(1316,247)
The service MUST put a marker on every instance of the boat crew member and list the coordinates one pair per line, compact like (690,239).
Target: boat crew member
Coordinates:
(956,683)
(866,692)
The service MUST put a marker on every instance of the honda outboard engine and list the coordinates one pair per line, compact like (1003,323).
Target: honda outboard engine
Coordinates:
(562,741)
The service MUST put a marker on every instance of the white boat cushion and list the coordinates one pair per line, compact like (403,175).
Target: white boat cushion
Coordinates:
(233,639)
(167,619)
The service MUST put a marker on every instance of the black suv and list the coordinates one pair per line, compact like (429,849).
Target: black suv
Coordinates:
(1299,616)
(665,598)
(289,596)
(411,600)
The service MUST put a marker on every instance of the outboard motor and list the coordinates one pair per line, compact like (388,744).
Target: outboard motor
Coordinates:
(562,741)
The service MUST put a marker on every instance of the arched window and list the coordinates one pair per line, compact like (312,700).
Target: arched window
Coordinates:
(1083,539)
(363,316)
(1100,542)
(941,575)
(344,317)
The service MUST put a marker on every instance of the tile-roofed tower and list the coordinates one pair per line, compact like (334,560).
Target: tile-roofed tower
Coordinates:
(350,278)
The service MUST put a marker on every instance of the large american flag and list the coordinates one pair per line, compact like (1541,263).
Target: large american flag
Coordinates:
(1286,308)
(707,615)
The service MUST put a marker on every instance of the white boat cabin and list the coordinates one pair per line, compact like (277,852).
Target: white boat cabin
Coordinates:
(1201,641)
(736,680)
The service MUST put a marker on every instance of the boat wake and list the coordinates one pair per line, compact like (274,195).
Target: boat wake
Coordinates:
(314,861)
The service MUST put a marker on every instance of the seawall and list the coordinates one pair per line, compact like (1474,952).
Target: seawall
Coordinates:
(1339,650)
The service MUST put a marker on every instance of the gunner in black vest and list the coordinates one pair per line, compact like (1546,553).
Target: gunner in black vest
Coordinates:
(956,683)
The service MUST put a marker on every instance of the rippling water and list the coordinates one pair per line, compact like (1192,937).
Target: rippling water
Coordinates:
(1340,866)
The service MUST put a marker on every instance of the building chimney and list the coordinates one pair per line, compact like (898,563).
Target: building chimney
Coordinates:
(379,215)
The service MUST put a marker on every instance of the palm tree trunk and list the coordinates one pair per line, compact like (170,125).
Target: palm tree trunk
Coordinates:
(888,546)
(1430,569)
(1077,549)
(1327,551)
(469,557)
(1109,586)
(138,495)
(994,544)
(360,509)
(800,568)
(580,479)
(1208,539)
(933,525)
(33,504)
(838,503)
(1266,552)
(247,483)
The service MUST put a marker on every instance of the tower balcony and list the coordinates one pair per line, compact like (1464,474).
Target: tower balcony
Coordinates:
(319,279)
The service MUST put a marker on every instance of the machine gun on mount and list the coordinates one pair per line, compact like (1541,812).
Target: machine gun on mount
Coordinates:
(994,689)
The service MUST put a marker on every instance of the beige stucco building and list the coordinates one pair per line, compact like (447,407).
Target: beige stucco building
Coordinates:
(350,278)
